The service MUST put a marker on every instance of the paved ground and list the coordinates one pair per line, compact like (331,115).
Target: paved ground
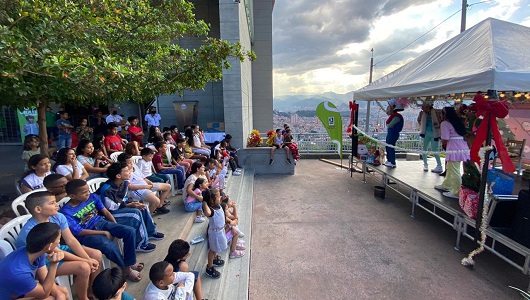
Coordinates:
(321,235)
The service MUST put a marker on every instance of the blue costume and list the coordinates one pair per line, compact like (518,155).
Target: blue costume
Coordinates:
(395,125)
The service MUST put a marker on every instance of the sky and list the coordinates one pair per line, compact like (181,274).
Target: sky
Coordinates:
(324,45)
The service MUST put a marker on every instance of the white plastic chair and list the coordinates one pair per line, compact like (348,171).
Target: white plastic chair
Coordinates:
(63,201)
(19,203)
(8,236)
(136,159)
(114,155)
(94,184)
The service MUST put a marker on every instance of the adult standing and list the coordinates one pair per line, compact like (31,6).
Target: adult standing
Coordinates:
(152,119)
(430,132)
(116,119)
(394,125)
(65,131)
(453,135)
(98,122)
(51,126)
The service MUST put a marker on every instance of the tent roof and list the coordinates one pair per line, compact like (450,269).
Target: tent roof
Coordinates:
(490,55)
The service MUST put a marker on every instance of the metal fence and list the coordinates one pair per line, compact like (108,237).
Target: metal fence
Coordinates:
(321,143)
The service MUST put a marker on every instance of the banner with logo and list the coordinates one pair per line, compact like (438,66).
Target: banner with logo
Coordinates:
(27,121)
(330,117)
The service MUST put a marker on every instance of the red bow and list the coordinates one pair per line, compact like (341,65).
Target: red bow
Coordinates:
(491,111)
(353,107)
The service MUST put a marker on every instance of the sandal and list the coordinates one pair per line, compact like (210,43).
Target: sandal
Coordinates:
(237,254)
(137,267)
(240,247)
(134,276)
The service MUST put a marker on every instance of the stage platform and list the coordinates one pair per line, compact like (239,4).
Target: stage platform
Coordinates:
(409,180)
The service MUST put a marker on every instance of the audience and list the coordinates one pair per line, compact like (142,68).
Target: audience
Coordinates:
(68,165)
(84,151)
(38,167)
(110,284)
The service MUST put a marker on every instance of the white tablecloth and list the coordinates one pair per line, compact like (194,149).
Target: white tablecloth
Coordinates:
(211,137)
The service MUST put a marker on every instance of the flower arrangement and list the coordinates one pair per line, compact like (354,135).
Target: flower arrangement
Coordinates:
(271,134)
(254,139)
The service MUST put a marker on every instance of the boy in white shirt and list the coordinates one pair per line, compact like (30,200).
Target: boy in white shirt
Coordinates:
(145,165)
(166,284)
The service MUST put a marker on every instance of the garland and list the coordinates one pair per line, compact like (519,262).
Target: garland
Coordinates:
(468,260)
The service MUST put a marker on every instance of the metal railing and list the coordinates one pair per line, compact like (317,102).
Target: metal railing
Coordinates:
(321,143)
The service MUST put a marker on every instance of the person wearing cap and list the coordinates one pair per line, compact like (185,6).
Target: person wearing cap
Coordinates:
(429,120)
(153,119)
(394,125)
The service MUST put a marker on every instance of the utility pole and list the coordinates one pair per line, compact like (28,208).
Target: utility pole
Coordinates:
(367,125)
(464,12)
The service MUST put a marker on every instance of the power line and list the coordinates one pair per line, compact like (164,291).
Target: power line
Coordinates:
(403,48)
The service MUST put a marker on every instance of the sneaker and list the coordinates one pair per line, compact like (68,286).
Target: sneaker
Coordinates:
(271,161)
(441,188)
(426,168)
(157,236)
(199,219)
(196,240)
(218,262)
(236,173)
(389,164)
(146,248)
(237,254)
(288,160)
(179,192)
(161,210)
(450,195)
(212,272)
(438,170)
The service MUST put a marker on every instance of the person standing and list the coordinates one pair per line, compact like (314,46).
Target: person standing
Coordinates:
(65,131)
(152,119)
(394,125)
(98,123)
(51,126)
(453,135)
(116,119)
(430,132)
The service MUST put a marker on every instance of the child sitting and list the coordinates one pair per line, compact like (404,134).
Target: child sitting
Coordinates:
(85,212)
(24,272)
(38,167)
(142,189)
(113,142)
(110,284)
(231,215)
(83,262)
(100,160)
(135,131)
(55,184)
(193,201)
(166,284)
(177,254)
(113,194)
(145,166)
(162,168)
(31,147)
(217,173)
(217,241)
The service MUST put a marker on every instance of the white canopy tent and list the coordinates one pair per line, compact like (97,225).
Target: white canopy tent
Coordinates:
(493,54)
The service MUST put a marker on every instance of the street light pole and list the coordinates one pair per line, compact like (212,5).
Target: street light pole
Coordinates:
(463,20)
(367,125)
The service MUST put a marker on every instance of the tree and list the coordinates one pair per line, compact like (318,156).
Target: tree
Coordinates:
(79,52)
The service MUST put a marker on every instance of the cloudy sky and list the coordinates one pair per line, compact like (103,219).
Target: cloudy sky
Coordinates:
(324,45)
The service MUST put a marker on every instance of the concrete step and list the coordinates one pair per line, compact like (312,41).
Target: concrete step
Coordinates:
(233,283)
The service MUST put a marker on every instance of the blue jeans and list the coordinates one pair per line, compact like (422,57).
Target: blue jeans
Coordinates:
(391,138)
(181,177)
(193,206)
(109,248)
(158,178)
(65,141)
(139,219)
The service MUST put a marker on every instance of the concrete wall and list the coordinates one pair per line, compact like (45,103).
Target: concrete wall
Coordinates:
(262,92)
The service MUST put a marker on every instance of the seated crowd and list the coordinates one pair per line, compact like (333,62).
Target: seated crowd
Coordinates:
(74,239)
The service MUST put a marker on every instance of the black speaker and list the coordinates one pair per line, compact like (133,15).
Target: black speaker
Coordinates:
(522,219)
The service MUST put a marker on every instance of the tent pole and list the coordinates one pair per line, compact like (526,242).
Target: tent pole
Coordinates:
(367,125)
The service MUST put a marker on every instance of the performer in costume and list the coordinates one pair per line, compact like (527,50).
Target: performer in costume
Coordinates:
(429,120)
(394,125)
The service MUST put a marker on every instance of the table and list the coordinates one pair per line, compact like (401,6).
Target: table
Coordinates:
(211,137)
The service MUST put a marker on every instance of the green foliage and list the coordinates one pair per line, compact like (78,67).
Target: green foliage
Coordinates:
(87,51)
(471,176)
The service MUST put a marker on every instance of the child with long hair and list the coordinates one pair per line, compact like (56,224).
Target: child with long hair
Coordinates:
(453,135)
(68,165)
(193,201)
(288,141)
(217,241)
(31,147)
(38,167)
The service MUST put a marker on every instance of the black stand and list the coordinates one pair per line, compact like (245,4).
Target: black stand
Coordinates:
(355,137)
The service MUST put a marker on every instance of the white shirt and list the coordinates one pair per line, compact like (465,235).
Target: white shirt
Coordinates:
(172,293)
(67,170)
(153,120)
(116,119)
(145,167)
(137,178)
(33,181)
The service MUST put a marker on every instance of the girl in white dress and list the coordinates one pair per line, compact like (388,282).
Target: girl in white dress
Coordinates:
(217,242)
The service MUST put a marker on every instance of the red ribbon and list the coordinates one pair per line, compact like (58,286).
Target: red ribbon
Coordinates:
(491,111)
(353,108)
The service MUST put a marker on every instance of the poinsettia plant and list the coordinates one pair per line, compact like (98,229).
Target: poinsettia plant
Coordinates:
(271,134)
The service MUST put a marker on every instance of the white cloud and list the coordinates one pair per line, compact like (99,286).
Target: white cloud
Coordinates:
(324,45)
